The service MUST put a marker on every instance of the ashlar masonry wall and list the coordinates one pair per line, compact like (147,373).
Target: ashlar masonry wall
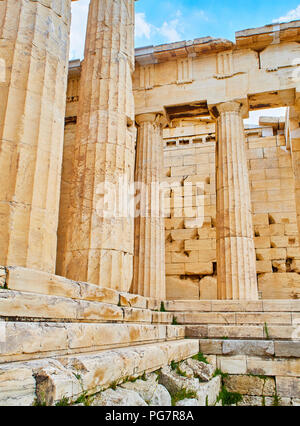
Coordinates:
(190,208)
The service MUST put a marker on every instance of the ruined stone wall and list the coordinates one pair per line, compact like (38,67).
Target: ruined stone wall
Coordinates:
(191,245)
(189,161)
(190,242)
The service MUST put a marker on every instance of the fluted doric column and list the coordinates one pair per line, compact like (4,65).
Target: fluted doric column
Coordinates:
(149,260)
(34,50)
(100,236)
(235,243)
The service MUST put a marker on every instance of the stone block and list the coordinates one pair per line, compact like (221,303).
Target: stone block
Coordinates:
(273,367)
(206,318)
(248,347)
(162,317)
(208,288)
(196,331)
(250,385)
(92,373)
(188,305)
(251,401)
(233,364)
(23,304)
(287,349)
(288,386)
(137,315)
(235,331)
(17,385)
(119,398)
(150,391)
(32,281)
(262,318)
(175,332)
(236,305)
(211,346)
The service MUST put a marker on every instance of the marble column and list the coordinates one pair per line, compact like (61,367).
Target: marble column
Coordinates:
(236,260)
(34,54)
(99,234)
(149,260)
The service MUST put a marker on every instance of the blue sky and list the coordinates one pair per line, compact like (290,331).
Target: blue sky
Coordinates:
(166,21)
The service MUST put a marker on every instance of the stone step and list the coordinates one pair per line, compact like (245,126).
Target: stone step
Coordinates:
(259,366)
(38,282)
(284,332)
(26,305)
(238,318)
(233,306)
(70,376)
(32,340)
(265,348)
(261,390)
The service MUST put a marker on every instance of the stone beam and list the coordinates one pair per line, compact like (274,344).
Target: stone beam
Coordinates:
(212,71)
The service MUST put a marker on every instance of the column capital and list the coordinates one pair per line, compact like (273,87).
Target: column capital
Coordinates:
(240,106)
(232,106)
(155,118)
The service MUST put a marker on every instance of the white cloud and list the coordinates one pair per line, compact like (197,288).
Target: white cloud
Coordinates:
(142,27)
(78,28)
(170,30)
(292,15)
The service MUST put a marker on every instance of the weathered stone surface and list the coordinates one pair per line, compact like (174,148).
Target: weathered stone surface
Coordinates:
(150,391)
(206,392)
(33,96)
(250,385)
(235,244)
(175,331)
(21,304)
(137,315)
(236,364)
(149,259)
(282,402)
(35,340)
(211,346)
(201,370)
(287,349)
(185,305)
(119,397)
(70,376)
(248,347)
(188,403)
(251,401)
(174,383)
(29,280)
(2,276)
(162,317)
(133,301)
(273,367)
(99,371)
(95,243)
(288,386)
(17,386)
